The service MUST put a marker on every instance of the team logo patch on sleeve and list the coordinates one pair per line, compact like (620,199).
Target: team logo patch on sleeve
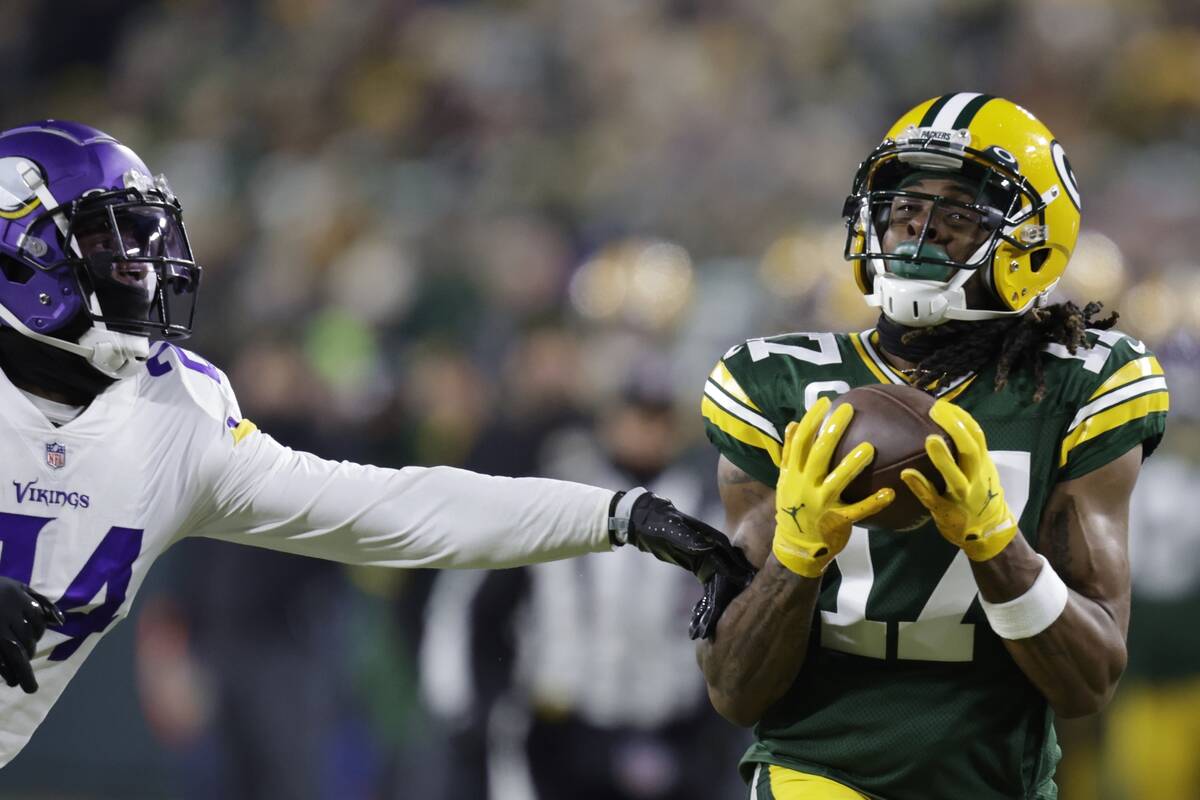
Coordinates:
(240,428)
(56,455)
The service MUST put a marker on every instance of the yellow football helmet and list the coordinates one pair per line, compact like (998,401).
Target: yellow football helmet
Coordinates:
(1019,198)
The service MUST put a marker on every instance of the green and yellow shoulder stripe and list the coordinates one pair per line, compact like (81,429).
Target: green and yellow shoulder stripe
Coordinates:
(741,427)
(1128,407)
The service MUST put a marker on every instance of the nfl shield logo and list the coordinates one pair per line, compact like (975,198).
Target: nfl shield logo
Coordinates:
(56,455)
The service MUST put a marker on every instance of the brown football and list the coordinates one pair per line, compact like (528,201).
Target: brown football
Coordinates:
(895,419)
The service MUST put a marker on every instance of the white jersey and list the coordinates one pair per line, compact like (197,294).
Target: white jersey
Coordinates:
(87,507)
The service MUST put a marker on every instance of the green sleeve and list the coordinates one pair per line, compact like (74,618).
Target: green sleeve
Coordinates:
(1123,407)
(737,420)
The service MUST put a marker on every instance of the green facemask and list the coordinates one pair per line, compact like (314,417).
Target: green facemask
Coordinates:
(919,270)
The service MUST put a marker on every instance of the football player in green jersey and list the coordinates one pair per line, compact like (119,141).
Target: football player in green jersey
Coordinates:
(930,663)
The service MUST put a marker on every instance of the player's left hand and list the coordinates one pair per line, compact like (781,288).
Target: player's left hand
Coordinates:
(972,513)
(24,616)
(654,525)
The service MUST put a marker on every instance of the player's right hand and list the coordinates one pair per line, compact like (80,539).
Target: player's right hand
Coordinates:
(812,524)
(972,513)
(24,615)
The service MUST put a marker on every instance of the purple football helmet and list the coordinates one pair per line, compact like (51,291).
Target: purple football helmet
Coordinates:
(88,235)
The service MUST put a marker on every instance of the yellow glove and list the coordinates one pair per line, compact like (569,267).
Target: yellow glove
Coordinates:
(812,524)
(972,514)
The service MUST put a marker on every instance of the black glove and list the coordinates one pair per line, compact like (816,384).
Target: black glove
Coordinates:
(719,591)
(24,615)
(654,525)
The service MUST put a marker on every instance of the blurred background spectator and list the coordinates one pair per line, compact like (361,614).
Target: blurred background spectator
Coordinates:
(575,678)
(440,232)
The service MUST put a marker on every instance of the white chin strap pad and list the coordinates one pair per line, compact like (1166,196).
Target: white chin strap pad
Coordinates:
(922,304)
(917,303)
(118,355)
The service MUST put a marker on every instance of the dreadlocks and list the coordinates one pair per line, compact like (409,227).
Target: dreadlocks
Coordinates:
(957,348)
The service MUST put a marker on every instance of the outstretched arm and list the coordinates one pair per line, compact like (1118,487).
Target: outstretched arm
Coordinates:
(264,494)
(271,496)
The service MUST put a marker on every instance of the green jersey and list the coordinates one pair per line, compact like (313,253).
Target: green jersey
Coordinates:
(918,697)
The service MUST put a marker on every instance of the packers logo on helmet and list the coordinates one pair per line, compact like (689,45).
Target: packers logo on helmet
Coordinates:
(962,184)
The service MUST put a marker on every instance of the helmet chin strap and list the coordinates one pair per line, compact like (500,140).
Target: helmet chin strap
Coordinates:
(919,303)
(117,355)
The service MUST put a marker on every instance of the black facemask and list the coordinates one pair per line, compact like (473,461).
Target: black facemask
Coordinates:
(31,366)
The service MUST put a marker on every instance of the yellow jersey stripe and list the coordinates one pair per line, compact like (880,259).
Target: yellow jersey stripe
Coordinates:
(1114,417)
(868,352)
(955,391)
(1141,368)
(1118,396)
(722,377)
(856,340)
(243,429)
(870,343)
(745,433)
(731,406)
(789,783)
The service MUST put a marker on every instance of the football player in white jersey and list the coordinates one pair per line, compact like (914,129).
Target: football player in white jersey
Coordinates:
(115,442)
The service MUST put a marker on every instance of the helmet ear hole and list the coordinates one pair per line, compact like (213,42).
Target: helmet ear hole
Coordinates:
(1037,259)
(14,271)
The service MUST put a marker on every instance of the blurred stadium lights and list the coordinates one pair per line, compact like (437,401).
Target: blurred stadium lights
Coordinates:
(343,350)
(798,263)
(645,282)
(844,309)
(1149,309)
(1097,270)
(806,267)
(1188,297)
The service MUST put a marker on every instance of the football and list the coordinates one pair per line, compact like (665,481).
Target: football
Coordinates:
(895,419)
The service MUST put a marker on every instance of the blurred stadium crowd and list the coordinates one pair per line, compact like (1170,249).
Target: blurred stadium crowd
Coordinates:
(501,234)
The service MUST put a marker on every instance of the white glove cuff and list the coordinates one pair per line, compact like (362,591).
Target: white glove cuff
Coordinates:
(1032,612)
(618,520)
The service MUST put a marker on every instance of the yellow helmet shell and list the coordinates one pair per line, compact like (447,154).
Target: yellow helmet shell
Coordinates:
(1039,235)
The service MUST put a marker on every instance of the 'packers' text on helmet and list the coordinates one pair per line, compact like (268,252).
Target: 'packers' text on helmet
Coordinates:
(962,183)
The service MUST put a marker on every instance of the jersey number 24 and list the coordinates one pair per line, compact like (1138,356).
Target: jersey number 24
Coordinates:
(111,566)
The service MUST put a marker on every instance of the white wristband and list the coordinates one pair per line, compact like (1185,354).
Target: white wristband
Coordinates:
(1032,612)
